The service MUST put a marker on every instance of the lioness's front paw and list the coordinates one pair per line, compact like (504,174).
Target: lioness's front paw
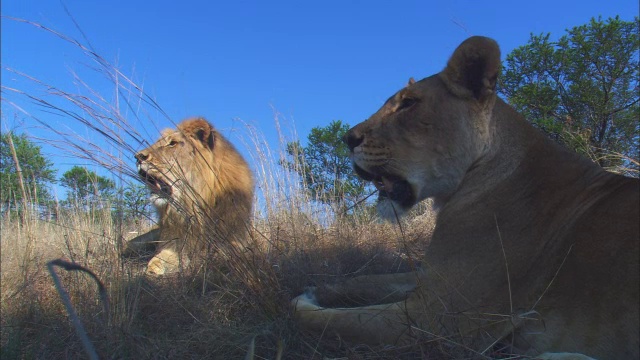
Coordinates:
(306,301)
(563,356)
(166,262)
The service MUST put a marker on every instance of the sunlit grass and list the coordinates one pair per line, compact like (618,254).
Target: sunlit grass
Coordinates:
(295,242)
(176,317)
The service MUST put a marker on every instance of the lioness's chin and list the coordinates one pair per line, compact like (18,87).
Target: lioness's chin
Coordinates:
(389,209)
(395,199)
(396,194)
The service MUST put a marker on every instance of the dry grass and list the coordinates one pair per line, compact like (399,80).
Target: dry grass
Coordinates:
(181,317)
(216,314)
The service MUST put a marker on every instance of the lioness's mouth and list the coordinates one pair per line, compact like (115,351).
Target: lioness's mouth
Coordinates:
(157,185)
(390,186)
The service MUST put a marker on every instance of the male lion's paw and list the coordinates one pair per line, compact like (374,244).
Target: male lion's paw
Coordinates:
(136,250)
(141,245)
(155,267)
(166,262)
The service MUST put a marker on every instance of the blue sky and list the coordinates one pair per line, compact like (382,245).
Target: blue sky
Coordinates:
(313,62)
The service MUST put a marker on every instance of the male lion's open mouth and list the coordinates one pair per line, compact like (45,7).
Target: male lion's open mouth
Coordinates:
(390,186)
(157,185)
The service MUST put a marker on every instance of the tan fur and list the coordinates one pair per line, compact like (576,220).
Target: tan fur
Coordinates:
(206,200)
(534,246)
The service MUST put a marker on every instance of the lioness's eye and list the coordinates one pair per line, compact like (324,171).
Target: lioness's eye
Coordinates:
(406,103)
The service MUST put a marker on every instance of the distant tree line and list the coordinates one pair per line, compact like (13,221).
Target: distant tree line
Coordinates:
(85,189)
(29,178)
(582,90)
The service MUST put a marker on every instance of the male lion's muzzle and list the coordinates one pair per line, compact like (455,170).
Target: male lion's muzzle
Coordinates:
(155,184)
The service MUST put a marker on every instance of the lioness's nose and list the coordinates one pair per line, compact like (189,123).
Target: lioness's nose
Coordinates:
(352,138)
(141,156)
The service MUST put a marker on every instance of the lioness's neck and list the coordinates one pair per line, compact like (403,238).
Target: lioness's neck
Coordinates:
(524,181)
(520,154)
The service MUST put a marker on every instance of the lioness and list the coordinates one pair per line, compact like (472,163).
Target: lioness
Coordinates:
(202,189)
(534,246)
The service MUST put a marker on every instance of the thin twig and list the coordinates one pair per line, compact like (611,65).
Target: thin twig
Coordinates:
(553,279)
(64,296)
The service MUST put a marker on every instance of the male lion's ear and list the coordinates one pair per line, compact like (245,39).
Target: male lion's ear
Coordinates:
(206,137)
(473,68)
(201,130)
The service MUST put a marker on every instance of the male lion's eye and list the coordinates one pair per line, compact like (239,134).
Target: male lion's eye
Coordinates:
(172,143)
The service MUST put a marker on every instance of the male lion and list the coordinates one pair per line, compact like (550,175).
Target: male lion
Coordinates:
(534,246)
(203,191)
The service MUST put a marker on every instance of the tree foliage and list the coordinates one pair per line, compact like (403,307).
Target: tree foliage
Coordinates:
(85,188)
(37,171)
(325,168)
(582,90)
(136,201)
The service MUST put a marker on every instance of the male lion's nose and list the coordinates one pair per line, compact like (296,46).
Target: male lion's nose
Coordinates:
(141,156)
(352,138)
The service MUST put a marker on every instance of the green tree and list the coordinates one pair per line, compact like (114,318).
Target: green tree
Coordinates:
(85,188)
(136,201)
(325,169)
(583,89)
(37,171)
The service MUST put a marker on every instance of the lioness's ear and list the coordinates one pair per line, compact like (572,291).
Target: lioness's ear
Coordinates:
(473,68)
(411,82)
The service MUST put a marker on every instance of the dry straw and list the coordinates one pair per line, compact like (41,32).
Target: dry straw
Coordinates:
(229,309)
